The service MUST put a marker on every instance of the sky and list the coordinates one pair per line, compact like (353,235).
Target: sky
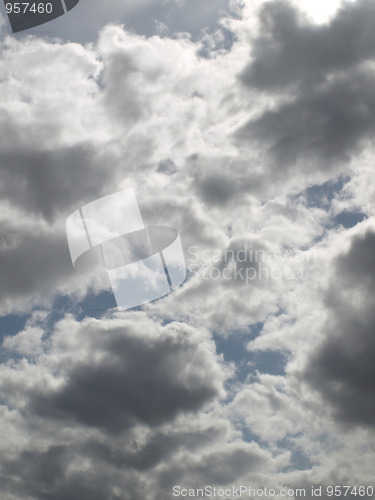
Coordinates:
(248,126)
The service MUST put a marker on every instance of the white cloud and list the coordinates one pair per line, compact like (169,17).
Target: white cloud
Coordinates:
(131,403)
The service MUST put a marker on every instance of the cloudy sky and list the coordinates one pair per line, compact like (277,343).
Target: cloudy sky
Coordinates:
(247,125)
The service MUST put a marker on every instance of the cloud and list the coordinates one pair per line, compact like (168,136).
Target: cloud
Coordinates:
(128,372)
(321,77)
(341,368)
(325,125)
(125,108)
(220,137)
(293,51)
(113,399)
(46,475)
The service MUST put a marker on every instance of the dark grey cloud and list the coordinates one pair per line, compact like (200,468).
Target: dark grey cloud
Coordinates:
(125,86)
(325,125)
(32,262)
(120,471)
(123,388)
(217,189)
(290,50)
(137,379)
(47,183)
(161,446)
(45,475)
(330,108)
(44,469)
(357,267)
(224,181)
(342,368)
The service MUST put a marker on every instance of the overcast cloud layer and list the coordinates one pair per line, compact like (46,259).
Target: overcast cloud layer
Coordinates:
(248,126)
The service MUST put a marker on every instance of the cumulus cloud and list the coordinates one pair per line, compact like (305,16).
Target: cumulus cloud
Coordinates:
(130,372)
(130,390)
(323,72)
(341,367)
(224,137)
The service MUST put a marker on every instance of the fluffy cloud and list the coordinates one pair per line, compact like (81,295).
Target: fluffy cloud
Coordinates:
(341,367)
(130,393)
(227,138)
(127,372)
(322,75)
